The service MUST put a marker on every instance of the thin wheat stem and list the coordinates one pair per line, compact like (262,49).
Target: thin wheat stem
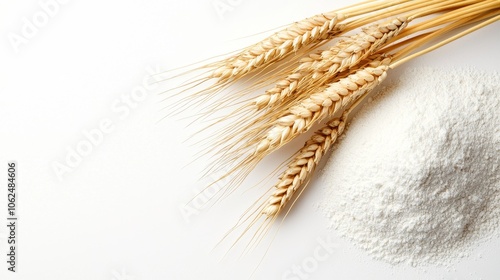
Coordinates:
(445,41)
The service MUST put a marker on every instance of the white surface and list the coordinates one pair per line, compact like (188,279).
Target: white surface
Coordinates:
(116,215)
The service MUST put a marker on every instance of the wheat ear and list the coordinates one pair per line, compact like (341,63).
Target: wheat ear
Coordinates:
(301,168)
(307,32)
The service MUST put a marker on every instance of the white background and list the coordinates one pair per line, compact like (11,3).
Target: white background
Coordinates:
(117,213)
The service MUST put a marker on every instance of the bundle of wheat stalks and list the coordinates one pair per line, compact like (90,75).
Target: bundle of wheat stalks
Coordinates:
(314,86)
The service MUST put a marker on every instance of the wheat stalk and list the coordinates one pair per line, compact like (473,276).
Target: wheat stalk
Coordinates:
(321,85)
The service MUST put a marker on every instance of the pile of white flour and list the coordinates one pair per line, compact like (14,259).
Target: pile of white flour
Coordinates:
(416,177)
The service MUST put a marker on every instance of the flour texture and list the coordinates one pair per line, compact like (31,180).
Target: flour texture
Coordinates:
(416,177)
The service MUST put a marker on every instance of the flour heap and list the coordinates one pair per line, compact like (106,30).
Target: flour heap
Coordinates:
(416,178)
